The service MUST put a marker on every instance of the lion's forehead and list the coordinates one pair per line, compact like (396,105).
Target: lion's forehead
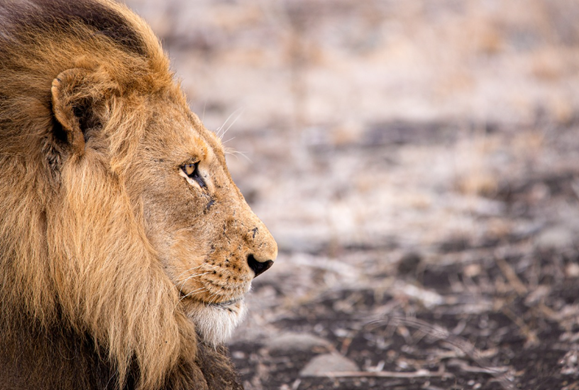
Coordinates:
(177,132)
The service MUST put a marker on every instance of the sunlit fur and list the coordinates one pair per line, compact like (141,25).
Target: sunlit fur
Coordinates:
(108,251)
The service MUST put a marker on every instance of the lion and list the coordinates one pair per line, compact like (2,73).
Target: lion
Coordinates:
(126,249)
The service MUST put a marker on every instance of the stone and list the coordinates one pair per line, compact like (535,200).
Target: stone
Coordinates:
(331,362)
(291,341)
(556,237)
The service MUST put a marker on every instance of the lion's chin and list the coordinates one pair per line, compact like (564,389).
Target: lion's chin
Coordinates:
(215,322)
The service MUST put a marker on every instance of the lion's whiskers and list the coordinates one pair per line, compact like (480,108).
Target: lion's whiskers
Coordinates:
(191,293)
(188,270)
(220,132)
(182,283)
(213,297)
(233,152)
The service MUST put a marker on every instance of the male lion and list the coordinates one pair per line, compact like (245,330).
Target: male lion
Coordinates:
(125,247)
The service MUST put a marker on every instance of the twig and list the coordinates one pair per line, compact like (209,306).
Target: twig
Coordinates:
(511,276)
(296,384)
(385,374)
(530,335)
(575,187)
(479,370)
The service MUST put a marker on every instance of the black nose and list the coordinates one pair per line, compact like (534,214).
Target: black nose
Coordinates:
(258,267)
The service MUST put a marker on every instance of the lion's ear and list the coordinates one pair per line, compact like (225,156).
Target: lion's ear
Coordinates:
(76,95)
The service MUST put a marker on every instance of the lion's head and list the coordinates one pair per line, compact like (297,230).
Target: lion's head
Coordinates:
(209,242)
(119,219)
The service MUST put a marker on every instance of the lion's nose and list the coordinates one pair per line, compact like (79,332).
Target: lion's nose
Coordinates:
(258,267)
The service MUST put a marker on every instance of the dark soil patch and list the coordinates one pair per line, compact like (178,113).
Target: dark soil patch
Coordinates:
(515,341)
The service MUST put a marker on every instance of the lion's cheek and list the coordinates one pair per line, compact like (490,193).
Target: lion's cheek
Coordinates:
(216,323)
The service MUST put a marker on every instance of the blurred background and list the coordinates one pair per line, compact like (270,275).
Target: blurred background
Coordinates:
(418,163)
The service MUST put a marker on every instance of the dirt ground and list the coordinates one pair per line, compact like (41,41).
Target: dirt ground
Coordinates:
(418,163)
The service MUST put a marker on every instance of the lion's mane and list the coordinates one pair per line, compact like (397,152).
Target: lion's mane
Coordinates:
(84,304)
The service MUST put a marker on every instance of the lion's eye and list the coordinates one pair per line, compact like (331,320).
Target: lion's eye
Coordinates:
(190,169)
(192,172)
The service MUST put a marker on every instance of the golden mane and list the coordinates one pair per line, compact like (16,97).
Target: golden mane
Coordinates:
(76,266)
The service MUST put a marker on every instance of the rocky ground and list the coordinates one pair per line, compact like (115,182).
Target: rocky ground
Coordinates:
(418,164)
(463,291)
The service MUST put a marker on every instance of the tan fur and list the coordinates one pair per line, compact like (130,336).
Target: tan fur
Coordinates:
(102,235)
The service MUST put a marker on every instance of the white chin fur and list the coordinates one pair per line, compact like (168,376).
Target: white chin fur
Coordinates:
(216,323)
